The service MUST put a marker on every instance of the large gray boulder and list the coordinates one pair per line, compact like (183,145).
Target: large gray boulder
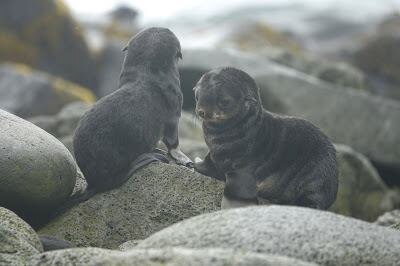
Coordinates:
(362,193)
(26,92)
(306,234)
(152,199)
(159,257)
(367,123)
(18,240)
(37,173)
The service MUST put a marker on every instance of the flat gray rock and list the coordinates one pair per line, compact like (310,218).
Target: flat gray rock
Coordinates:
(37,172)
(152,199)
(306,234)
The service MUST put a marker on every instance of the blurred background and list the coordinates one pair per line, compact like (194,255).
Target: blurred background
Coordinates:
(334,62)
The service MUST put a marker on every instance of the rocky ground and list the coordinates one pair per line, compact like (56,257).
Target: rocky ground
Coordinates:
(166,214)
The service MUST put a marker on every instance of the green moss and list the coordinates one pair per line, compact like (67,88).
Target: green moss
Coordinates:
(45,30)
(64,90)
(51,40)
(73,91)
(261,34)
(22,69)
(15,50)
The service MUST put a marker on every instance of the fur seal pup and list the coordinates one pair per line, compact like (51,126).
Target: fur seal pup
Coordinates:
(119,133)
(284,160)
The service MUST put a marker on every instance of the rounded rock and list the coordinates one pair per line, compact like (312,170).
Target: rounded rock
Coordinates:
(37,172)
(18,240)
(306,234)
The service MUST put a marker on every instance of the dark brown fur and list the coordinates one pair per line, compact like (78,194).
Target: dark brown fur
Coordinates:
(284,160)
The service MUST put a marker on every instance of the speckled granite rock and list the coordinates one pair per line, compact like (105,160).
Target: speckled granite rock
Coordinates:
(18,240)
(159,257)
(310,235)
(152,199)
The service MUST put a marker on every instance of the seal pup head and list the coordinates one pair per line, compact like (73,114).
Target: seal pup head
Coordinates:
(155,49)
(226,95)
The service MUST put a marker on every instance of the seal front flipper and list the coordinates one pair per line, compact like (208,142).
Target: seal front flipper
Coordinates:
(146,159)
(207,167)
(171,140)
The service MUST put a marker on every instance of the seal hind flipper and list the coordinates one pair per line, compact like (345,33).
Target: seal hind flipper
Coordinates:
(146,159)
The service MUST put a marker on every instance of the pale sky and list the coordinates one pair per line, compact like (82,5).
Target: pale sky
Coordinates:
(159,10)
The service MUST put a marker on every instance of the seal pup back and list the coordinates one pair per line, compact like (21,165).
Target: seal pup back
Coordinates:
(119,133)
(284,160)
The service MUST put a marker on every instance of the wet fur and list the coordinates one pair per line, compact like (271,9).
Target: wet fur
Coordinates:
(284,160)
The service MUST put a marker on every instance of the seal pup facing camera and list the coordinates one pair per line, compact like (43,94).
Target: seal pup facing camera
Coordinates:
(284,160)
(119,133)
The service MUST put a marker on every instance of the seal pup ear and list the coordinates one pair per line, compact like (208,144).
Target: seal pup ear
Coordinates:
(180,55)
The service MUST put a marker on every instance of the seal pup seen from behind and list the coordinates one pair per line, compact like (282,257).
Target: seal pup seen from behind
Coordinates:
(119,133)
(284,160)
